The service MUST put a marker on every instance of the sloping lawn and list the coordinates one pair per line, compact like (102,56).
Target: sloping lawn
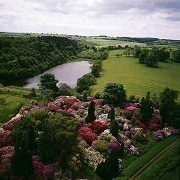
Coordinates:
(137,78)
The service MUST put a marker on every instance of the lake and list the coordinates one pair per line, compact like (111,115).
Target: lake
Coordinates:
(66,73)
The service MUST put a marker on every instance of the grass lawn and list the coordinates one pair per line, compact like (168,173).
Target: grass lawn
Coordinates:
(152,149)
(136,78)
(11,100)
(11,106)
(163,166)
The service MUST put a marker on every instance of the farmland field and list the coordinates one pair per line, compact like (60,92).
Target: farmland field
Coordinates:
(136,78)
(105,42)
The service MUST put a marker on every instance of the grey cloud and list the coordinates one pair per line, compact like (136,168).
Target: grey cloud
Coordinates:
(167,4)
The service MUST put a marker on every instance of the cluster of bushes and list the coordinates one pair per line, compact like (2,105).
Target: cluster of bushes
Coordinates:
(151,57)
(175,55)
(94,53)
(58,136)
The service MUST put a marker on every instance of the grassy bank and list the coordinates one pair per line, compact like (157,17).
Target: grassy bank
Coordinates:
(163,166)
(137,164)
(137,78)
(11,100)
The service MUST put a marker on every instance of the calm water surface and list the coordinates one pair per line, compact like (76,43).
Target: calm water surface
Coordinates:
(66,73)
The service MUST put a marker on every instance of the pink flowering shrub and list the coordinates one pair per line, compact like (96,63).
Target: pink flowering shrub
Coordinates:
(87,134)
(155,122)
(98,126)
(6,154)
(5,137)
(45,170)
(154,127)
(114,145)
(15,119)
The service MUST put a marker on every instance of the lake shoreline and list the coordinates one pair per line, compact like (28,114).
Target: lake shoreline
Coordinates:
(75,69)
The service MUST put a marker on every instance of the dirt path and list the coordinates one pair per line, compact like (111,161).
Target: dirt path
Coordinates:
(152,161)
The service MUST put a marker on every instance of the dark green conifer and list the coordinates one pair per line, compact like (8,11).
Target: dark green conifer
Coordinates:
(114,129)
(111,114)
(84,99)
(108,169)
(31,139)
(91,116)
(63,161)
(21,162)
(121,151)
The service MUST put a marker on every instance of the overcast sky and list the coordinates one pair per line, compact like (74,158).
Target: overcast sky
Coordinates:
(134,18)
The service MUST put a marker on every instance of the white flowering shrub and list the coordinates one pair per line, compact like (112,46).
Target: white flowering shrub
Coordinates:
(92,157)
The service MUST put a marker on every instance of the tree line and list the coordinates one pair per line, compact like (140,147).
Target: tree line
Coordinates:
(24,57)
(152,57)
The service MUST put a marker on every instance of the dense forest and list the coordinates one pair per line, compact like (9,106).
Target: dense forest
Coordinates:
(24,57)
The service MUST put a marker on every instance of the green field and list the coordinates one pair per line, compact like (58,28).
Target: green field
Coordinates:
(11,100)
(105,42)
(164,166)
(136,78)
(11,106)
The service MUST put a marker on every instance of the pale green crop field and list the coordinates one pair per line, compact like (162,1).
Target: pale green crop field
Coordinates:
(106,42)
(136,78)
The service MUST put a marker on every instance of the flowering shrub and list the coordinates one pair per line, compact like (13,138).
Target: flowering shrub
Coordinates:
(106,136)
(16,118)
(75,163)
(141,138)
(5,137)
(87,134)
(67,175)
(98,126)
(92,157)
(45,170)
(140,124)
(114,145)
(6,154)
(155,122)
(102,147)
(161,134)
(154,127)
(133,150)
(8,127)
(125,126)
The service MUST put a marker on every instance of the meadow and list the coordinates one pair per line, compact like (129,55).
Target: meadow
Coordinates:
(136,78)
(105,42)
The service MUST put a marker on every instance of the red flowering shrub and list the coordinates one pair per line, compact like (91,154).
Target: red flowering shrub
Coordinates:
(8,127)
(140,124)
(98,127)
(87,134)
(154,127)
